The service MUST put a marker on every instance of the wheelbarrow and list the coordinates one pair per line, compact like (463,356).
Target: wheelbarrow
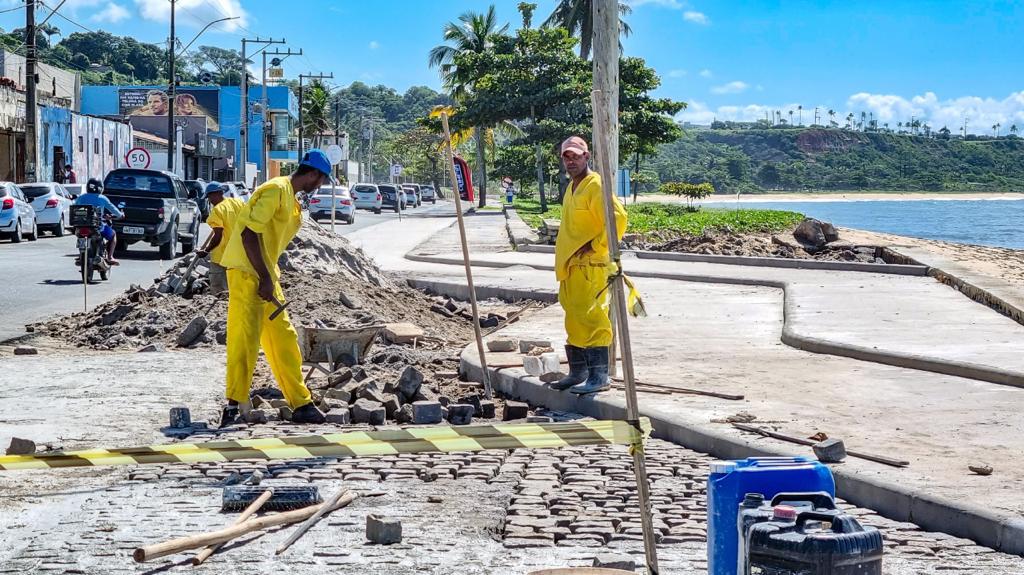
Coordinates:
(322,345)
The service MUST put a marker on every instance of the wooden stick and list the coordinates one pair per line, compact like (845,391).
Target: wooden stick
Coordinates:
(802,441)
(301,529)
(717,394)
(508,320)
(143,554)
(249,512)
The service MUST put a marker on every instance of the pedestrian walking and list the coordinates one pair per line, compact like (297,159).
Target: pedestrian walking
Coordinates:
(222,222)
(582,268)
(262,230)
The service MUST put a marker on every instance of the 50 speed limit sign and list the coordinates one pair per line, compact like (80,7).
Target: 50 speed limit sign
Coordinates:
(137,158)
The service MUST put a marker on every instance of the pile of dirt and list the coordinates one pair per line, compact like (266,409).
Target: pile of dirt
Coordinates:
(752,244)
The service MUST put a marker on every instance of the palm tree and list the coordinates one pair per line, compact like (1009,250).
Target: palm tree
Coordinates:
(849,120)
(1013,129)
(800,109)
(831,117)
(316,111)
(577,16)
(995,130)
(863,115)
(526,9)
(791,116)
(899,127)
(473,33)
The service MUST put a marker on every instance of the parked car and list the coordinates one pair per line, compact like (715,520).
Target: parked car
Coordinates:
(52,204)
(241,190)
(393,196)
(17,217)
(74,190)
(320,205)
(197,191)
(412,192)
(157,210)
(366,197)
(428,193)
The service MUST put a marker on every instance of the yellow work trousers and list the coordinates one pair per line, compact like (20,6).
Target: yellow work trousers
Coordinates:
(587,323)
(248,329)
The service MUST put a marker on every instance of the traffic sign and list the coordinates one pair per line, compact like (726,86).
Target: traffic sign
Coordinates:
(396,170)
(335,154)
(137,158)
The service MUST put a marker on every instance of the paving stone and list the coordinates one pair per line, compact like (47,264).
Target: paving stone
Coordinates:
(502,345)
(426,412)
(460,414)
(614,561)
(515,410)
(383,530)
(367,411)
(391,405)
(339,417)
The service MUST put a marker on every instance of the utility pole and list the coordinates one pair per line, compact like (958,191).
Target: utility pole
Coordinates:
(301,127)
(337,131)
(264,147)
(605,100)
(243,132)
(367,129)
(171,82)
(540,169)
(31,113)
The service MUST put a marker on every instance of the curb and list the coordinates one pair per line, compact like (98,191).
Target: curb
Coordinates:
(892,500)
(520,234)
(789,337)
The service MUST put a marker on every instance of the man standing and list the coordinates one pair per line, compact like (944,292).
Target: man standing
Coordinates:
(222,222)
(70,177)
(262,230)
(582,267)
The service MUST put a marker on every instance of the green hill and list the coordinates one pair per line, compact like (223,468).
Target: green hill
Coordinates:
(801,159)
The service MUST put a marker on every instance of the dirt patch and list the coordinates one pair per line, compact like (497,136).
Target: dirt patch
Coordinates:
(752,244)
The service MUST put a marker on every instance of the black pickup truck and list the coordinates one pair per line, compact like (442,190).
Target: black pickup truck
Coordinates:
(157,207)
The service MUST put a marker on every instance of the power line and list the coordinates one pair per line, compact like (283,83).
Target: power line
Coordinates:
(11,9)
(41,3)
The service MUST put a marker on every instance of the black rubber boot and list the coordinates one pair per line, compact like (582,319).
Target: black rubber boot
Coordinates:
(308,414)
(229,416)
(577,368)
(597,380)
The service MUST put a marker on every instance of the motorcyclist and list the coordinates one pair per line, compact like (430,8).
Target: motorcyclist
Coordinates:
(93,196)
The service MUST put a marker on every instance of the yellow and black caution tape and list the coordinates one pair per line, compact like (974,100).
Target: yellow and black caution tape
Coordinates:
(354,444)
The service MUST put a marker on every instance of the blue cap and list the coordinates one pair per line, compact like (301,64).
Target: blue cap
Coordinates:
(214,187)
(316,158)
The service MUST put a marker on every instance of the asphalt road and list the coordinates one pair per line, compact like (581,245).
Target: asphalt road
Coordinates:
(38,280)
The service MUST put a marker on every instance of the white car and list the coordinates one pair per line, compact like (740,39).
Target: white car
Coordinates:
(367,197)
(240,190)
(17,217)
(52,203)
(344,208)
(427,193)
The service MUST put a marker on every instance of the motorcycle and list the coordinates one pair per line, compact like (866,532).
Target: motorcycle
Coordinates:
(92,248)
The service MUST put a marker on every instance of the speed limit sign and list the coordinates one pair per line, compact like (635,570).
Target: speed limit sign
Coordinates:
(137,158)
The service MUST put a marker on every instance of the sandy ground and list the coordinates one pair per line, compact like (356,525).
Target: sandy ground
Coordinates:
(839,197)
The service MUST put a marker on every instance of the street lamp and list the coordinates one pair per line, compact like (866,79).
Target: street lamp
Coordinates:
(189,45)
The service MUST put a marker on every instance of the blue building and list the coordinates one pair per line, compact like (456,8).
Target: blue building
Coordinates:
(208,111)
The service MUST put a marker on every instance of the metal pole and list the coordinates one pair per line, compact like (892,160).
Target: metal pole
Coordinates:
(300,117)
(465,257)
(243,123)
(606,143)
(31,113)
(263,124)
(170,97)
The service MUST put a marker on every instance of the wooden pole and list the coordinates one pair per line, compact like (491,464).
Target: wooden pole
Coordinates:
(606,147)
(465,256)
(301,529)
(249,512)
(143,554)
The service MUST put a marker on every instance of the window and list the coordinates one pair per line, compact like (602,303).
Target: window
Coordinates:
(95,145)
(81,143)
(110,147)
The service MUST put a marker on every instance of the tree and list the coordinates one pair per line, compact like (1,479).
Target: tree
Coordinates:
(125,55)
(791,116)
(944,133)
(1013,129)
(226,64)
(527,9)
(831,117)
(81,61)
(800,109)
(475,35)
(692,192)
(316,111)
(577,16)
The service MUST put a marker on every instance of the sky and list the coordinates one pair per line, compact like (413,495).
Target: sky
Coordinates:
(939,60)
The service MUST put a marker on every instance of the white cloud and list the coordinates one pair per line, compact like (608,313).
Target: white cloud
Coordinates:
(982,112)
(734,87)
(374,44)
(705,73)
(676,73)
(696,17)
(113,13)
(196,13)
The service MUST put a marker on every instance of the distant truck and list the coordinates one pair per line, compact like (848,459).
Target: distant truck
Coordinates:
(158,209)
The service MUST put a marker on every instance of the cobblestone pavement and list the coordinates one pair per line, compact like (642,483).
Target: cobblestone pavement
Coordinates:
(487,512)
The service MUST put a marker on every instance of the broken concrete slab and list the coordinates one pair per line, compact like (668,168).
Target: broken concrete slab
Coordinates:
(403,332)
(525,345)
(192,331)
(614,561)
(338,394)
(21,446)
(830,451)
(339,377)
(502,345)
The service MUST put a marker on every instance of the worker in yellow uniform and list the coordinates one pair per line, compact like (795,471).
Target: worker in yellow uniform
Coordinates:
(221,221)
(582,268)
(265,225)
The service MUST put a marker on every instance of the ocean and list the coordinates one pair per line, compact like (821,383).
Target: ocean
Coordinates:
(982,222)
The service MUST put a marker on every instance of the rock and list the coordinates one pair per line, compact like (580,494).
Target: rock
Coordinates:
(460,413)
(525,345)
(115,315)
(340,377)
(830,451)
(332,404)
(403,332)
(451,306)
(369,390)
(383,530)
(613,561)
(425,412)
(339,417)
(152,347)
(21,446)
(501,345)
(811,235)
(490,321)
(278,403)
(221,337)
(539,419)
(444,400)
(358,373)
(405,415)
(285,413)
(831,234)
(977,468)
(486,409)
(391,405)
(338,395)
(474,400)
(409,383)
(192,331)
(25,350)
(180,418)
(541,365)
(257,417)
(367,411)
(515,410)
(441,310)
